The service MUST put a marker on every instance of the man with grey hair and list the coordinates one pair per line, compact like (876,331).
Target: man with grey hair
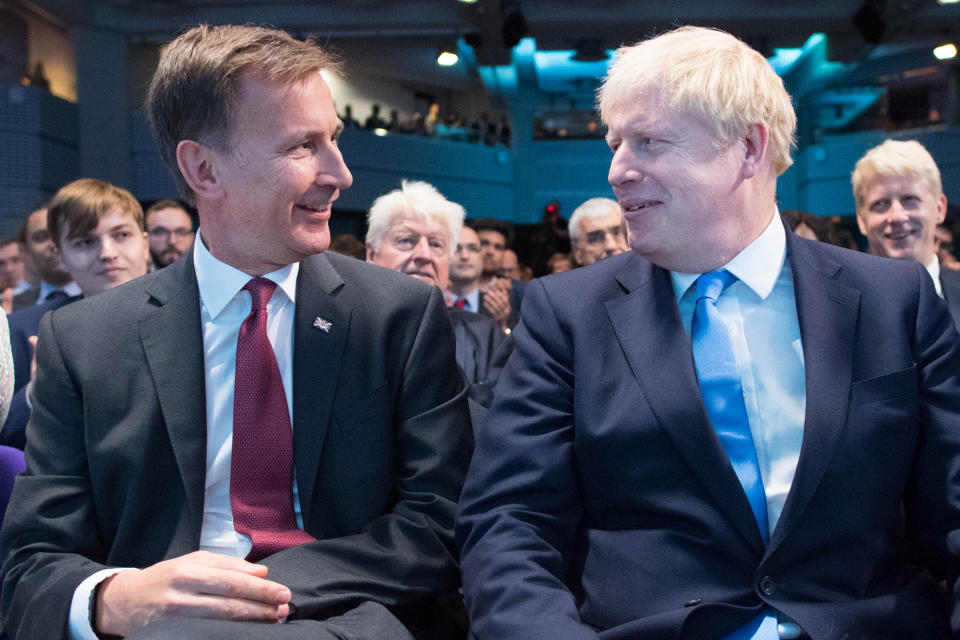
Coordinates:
(900,202)
(597,231)
(757,435)
(261,440)
(410,230)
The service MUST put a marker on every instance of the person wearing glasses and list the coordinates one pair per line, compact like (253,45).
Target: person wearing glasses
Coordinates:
(170,230)
(597,231)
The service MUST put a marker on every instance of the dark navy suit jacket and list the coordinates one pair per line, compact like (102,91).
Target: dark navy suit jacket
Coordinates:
(599,502)
(24,324)
(950,285)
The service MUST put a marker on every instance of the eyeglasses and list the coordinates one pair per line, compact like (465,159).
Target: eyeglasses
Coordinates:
(162,233)
(600,235)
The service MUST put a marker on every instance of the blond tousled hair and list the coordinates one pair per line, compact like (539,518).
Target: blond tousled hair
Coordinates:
(710,75)
(901,158)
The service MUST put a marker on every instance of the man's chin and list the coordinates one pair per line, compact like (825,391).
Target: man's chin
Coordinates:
(422,278)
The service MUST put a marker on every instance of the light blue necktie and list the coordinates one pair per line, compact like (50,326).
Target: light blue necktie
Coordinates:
(722,396)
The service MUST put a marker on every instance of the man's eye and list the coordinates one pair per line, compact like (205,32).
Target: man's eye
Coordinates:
(404,244)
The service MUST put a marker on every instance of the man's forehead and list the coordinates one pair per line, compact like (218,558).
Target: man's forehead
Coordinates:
(418,222)
(892,185)
(37,220)
(487,232)
(467,234)
(168,212)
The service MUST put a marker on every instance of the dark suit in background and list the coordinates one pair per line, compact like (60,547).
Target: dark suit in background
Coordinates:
(24,324)
(116,461)
(950,286)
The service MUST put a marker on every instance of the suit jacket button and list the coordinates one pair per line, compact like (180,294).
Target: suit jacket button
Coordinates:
(767,586)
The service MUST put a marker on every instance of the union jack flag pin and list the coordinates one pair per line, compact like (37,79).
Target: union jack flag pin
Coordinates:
(322,324)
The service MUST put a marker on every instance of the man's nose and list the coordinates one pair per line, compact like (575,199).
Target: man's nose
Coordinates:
(897,212)
(422,250)
(625,167)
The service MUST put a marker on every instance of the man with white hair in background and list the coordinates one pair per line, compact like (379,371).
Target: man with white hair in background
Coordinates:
(900,202)
(597,231)
(730,432)
(410,230)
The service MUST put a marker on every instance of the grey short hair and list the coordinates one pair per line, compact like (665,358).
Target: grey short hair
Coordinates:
(413,199)
(592,208)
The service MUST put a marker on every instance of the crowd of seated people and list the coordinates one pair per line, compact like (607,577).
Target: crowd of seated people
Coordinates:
(247,421)
(489,130)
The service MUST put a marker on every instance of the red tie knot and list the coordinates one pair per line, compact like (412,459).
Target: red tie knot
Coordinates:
(260,290)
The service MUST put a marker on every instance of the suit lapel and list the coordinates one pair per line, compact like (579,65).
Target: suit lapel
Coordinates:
(172,340)
(320,329)
(827,312)
(950,285)
(672,391)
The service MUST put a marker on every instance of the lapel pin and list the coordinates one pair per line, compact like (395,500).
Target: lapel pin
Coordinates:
(322,324)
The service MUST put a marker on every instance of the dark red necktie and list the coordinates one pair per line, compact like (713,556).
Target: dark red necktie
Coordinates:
(461,303)
(261,469)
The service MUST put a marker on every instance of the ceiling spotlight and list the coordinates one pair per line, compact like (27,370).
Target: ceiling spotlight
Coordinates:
(380,131)
(474,1)
(945,52)
(938,1)
(447,59)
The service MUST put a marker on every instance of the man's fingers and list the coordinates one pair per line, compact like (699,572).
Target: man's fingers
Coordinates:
(227,562)
(214,581)
(211,606)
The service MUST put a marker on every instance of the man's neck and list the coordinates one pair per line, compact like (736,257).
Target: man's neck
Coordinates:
(461,289)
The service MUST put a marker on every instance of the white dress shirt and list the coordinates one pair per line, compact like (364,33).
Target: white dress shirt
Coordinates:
(933,268)
(71,289)
(760,312)
(223,308)
(472,300)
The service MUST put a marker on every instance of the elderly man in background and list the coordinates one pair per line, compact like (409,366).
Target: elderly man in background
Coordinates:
(900,202)
(410,230)
(730,432)
(597,231)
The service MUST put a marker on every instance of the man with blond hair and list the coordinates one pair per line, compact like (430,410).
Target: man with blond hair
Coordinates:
(597,231)
(900,202)
(261,440)
(756,437)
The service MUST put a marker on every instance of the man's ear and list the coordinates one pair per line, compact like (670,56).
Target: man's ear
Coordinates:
(371,254)
(197,164)
(941,208)
(755,153)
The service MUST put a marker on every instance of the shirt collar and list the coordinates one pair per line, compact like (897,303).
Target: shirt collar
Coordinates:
(758,266)
(219,282)
(933,268)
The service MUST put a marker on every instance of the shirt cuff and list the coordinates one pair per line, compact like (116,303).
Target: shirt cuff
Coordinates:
(80,628)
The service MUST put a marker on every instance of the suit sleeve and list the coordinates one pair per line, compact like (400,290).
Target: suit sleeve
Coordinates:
(404,558)
(520,505)
(49,532)
(932,499)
